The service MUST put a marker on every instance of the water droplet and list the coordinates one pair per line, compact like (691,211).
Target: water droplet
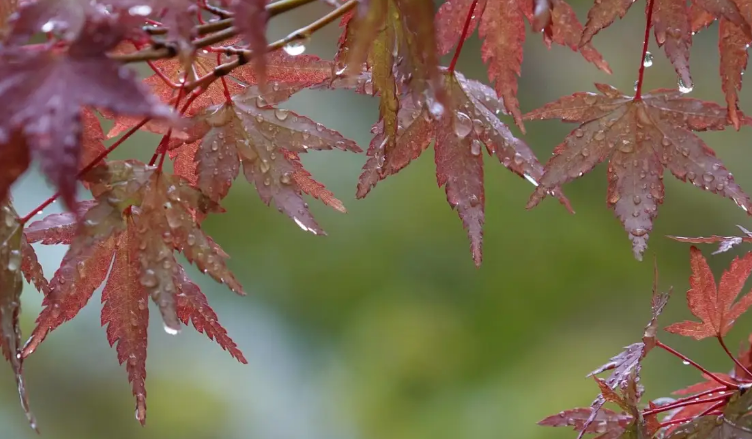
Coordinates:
(474,200)
(214,146)
(585,152)
(684,88)
(599,136)
(579,133)
(685,362)
(170,330)
(636,200)
(475,148)
(142,10)
(149,279)
(634,87)
(462,125)
(708,177)
(48,26)
(286,178)
(639,232)
(665,141)
(14,260)
(281,113)
(264,165)
(648,60)
(294,48)
(267,181)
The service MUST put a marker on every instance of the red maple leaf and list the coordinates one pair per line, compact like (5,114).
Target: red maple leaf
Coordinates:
(140,218)
(640,137)
(460,136)
(266,141)
(502,29)
(714,306)
(44,93)
(607,424)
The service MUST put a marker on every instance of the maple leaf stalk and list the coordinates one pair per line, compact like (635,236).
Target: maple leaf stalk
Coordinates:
(683,357)
(692,401)
(728,352)
(463,36)
(86,169)
(645,44)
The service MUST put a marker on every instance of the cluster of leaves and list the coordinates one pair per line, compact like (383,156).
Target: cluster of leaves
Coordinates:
(214,98)
(718,407)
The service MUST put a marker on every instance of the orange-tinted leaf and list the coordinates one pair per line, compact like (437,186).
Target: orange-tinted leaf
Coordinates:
(193,307)
(601,15)
(57,228)
(714,306)
(11,261)
(502,29)
(125,311)
(641,138)
(450,20)
(460,137)
(31,268)
(725,9)
(312,187)
(566,30)
(673,32)
(140,217)
(733,44)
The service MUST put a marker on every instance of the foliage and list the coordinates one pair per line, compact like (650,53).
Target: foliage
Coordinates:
(214,99)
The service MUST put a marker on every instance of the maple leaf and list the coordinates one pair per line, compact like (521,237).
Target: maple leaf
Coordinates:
(140,218)
(734,423)
(607,424)
(72,18)
(44,93)
(640,137)
(251,18)
(395,39)
(714,306)
(266,140)
(733,44)
(11,262)
(173,70)
(502,29)
(725,243)
(627,364)
(460,136)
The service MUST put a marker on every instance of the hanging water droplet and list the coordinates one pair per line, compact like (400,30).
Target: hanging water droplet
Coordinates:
(685,362)
(142,10)
(684,88)
(648,60)
(462,125)
(294,48)
(170,330)
(635,85)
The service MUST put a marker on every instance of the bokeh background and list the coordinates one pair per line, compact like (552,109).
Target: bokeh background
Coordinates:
(384,328)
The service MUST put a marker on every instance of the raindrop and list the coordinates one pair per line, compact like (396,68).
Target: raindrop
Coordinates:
(474,200)
(294,48)
(142,10)
(684,88)
(685,362)
(170,330)
(636,200)
(14,260)
(286,178)
(635,85)
(281,113)
(599,136)
(639,232)
(475,148)
(48,27)
(149,279)
(648,60)
(462,125)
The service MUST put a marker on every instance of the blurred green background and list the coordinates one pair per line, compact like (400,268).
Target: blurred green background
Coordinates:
(384,328)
